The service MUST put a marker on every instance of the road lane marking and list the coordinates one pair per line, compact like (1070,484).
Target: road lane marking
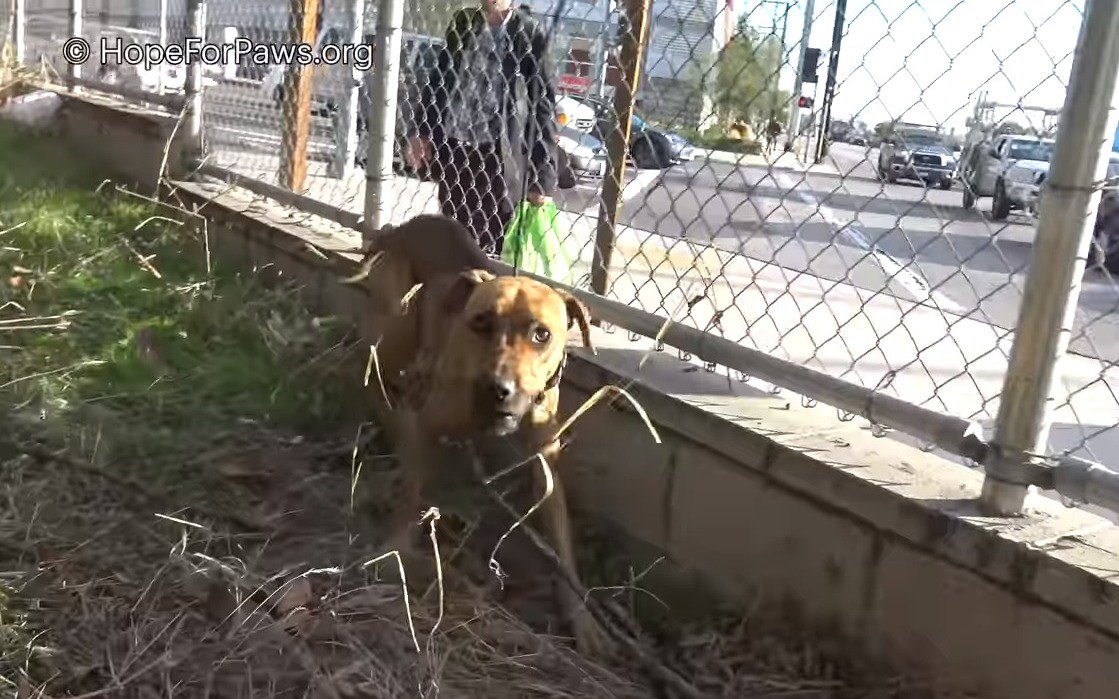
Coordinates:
(641,181)
(913,282)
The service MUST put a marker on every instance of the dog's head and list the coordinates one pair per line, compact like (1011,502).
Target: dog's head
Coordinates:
(507,345)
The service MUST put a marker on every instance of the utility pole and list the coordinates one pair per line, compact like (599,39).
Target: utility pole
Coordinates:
(631,61)
(833,68)
(793,127)
(295,125)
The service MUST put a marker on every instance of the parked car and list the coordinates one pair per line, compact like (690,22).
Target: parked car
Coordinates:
(1104,250)
(330,82)
(575,113)
(1009,169)
(649,146)
(586,155)
(419,54)
(916,155)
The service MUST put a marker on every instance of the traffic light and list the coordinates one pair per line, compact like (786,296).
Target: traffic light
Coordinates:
(811,63)
(804,102)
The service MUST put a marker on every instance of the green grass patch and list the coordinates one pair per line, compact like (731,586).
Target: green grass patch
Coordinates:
(118,348)
(718,139)
(118,344)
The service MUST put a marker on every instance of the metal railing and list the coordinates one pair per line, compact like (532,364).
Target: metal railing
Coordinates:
(783,188)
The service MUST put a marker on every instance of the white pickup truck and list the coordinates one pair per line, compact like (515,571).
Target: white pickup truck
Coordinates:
(1009,169)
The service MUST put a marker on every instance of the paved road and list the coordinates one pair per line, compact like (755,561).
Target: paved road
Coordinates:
(898,239)
(902,239)
(915,244)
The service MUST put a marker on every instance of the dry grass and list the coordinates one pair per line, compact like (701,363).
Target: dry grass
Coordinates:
(129,600)
(181,517)
(12,73)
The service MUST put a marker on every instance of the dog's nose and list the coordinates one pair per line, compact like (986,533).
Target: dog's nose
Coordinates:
(502,389)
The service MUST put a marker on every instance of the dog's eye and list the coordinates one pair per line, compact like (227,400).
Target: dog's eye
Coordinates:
(481,324)
(541,335)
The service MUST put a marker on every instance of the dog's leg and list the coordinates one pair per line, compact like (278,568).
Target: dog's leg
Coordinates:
(412,456)
(589,636)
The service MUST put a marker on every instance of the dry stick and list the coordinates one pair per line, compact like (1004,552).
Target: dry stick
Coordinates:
(598,608)
(433,514)
(161,176)
(403,591)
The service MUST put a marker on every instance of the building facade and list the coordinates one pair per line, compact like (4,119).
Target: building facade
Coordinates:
(685,37)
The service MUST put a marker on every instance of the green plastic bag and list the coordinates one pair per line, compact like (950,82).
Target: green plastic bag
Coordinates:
(534,243)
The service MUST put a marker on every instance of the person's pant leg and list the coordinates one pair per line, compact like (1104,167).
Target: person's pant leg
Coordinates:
(496,208)
(451,159)
(472,190)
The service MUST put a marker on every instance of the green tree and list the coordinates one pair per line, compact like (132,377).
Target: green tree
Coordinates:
(742,81)
(1011,128)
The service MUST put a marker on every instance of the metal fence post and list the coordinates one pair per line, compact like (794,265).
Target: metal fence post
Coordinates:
(76,10)
(1064,232)
(295,126)
(162,42)
(617,142)
(381,125)
(196,13)
(794,107)
(19,31)
(346,118)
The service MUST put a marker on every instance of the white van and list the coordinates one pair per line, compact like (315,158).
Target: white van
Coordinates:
(330,84)
(574,113)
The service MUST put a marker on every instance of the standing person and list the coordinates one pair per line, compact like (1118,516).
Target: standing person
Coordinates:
(470,103)
(773,131)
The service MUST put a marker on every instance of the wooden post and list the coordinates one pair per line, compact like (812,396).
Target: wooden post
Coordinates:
(617,142)
(295,131)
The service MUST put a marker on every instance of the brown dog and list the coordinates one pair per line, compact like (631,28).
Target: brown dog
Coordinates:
(470,355)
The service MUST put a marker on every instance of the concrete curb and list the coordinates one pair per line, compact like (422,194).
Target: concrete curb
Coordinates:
(783,161)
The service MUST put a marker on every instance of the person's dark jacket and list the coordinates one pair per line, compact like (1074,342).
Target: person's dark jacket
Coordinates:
(527,61)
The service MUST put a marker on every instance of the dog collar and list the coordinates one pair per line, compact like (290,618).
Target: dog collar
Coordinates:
(555,379)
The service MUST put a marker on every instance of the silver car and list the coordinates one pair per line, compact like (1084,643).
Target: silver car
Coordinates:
(585,154)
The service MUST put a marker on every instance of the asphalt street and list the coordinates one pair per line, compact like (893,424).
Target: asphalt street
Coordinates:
(898,239)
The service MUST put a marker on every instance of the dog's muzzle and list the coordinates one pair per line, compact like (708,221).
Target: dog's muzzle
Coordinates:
(503,405)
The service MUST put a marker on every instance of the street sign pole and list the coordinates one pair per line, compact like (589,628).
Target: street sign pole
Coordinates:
(791,132)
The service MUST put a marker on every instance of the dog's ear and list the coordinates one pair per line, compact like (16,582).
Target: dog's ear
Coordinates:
(459,290)
(577,313)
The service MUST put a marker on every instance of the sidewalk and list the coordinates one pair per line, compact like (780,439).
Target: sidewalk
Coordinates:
(942,361)
(778,160)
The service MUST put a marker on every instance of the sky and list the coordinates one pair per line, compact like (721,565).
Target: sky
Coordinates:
(926,61)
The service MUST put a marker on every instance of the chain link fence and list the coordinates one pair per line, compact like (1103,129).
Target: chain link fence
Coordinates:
(852,187)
